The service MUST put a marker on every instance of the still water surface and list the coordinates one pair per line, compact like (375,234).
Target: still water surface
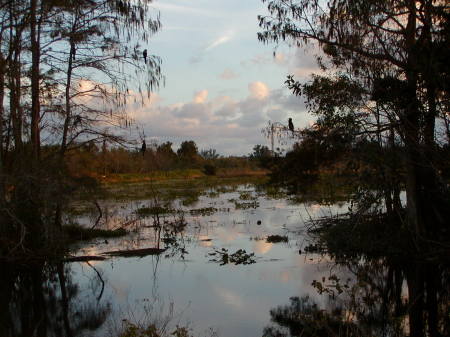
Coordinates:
(218,272)
(183,282)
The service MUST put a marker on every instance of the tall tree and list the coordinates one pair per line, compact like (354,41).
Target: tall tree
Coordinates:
(397,46)
(69,68)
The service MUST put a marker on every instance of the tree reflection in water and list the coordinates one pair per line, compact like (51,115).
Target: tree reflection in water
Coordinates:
(41,300)
(385,298)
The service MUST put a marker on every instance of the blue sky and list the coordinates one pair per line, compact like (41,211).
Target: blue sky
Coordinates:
(222,84)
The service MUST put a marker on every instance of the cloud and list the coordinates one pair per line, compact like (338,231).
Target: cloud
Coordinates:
(280,59)
(229,125)
(201,96)
(301,62)
(228,74)
(184,9)
(258,90)
(220,40)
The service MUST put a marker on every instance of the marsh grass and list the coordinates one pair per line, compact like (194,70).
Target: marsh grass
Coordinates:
(203,211)
(244,205)
(244,195)
(153,210)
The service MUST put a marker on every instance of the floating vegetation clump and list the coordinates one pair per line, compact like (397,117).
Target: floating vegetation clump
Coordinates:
(239,257)
(277,238)
(203,211)
(246,205)
(246,196)
(154,210)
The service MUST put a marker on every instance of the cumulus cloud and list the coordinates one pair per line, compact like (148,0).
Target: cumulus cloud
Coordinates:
(201,96)
(231,126)
(228,74)
(258,90)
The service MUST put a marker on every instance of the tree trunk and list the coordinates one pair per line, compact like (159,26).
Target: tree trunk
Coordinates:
(15,89)
(2,113)
(412,128)
(68,99)
(35,75)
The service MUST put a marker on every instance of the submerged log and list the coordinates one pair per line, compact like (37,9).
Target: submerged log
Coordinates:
(135,252)
(85,258)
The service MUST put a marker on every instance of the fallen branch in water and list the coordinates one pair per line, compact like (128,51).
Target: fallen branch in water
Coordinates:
(135,252)
(126,224)
(85,258)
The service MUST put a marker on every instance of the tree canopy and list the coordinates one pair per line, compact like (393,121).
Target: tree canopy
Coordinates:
(384,78)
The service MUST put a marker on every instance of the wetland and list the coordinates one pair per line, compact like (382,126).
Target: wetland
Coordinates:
(214,257)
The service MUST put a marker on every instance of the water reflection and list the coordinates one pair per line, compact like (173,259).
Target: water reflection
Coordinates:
(382,297)
(41,299)
(351,297)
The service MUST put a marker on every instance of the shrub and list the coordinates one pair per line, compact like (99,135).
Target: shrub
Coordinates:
(209,170)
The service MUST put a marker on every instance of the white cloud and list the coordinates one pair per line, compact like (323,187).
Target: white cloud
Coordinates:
(228,125)
(258,90)
(201,96)
(220,40)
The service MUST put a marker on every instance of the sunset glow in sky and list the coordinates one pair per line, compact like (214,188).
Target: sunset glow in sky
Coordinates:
(222,84)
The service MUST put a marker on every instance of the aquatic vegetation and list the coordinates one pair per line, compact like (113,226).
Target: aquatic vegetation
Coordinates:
(256,238)
(190,199)
(203,211)
(239,257)
(247,196)
(246,205)
(153,210)
(277,238)
(77,232)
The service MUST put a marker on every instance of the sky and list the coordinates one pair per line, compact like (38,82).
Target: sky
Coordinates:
(222,86)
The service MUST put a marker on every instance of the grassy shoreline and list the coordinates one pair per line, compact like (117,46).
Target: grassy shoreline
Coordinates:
(178,174)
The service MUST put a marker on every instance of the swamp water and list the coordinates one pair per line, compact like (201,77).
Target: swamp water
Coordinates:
(226,260)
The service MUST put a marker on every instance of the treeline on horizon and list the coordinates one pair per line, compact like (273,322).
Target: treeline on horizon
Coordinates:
(91,159)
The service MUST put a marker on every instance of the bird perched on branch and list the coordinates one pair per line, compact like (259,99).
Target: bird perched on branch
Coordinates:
(144,53)
(144,147)
(291,125)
